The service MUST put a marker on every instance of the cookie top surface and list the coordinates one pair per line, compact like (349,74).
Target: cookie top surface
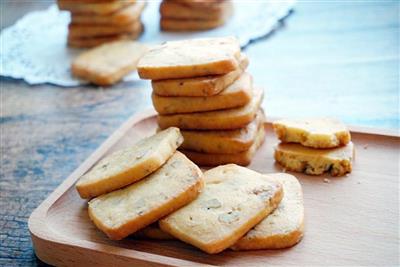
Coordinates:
(175,177)
(123,160)
(313,132)
(190,58)
(231,197)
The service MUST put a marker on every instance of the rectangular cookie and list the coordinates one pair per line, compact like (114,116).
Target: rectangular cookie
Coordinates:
(76,31)
(199,86)
(234,199)
(129,165)
(190,58)
(125,211)
(284,227)
(108,63)
(234,118)
(241,158)
(315,132)
(298,158)
(96,41)
(177,25)
(223,142)
(238,94)
(177,9)
(123,16)
(93,8)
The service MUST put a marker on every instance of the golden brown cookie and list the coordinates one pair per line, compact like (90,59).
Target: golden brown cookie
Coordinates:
(96,41)
(284,227)
(298,158)
(129,165)
(180,10)
(190,58)
(76,31)
(238,94)
(234,118)
(316,132)
(234,200)
(223,142)
(123,16)
(125,211)
(108,63)
(93,8)
(199,86)
(241,158)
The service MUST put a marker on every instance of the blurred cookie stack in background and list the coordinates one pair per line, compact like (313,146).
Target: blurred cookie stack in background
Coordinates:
(94,22)
(194,15)
(201,86)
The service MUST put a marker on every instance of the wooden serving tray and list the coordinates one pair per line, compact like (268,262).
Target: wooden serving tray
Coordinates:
(351,220)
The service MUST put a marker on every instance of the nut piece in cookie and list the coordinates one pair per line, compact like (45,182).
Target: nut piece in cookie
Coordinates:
(284,227)
(317,133)
(129,165)
(125,211)
(233,201)
(298,158)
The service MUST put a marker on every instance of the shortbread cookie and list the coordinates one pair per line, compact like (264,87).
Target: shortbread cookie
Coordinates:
(233,200)
(91,8)
(169,24)
(234,118)
(123,16)
(284,227)
(237,94)
(153,231)
(199,86)
(177,9)
(129,165)
(76,31)
(108,63)
(125,211)
(317,133)
(298,158)
(223,142)
(95,41)
(242,158)
(190,58)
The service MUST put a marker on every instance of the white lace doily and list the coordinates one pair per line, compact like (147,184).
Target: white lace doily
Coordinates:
(34,48)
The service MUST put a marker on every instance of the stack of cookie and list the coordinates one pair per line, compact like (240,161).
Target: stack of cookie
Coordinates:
(314,146)
(94,22)
(201,86)
(194,15)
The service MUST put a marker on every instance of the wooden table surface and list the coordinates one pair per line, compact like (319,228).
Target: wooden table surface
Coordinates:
(335,58)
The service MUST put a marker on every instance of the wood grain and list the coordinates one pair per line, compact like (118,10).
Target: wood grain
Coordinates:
(350,220)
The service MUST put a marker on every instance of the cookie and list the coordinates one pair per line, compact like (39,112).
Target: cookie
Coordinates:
(241,158)
(298,158)
(199,86)
(284,227)
(223,142)
(93,8)
(125,211)
(123,16)
(95,41)
(177,9)
(317,133)
(169,24)
(153,231)
(234,118)
(234,200)
(129,165)
(190,58)
(76,31)
(108,63)
(238,94)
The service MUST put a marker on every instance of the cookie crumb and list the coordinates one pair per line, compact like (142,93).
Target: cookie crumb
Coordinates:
(327,181)
(365,146)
